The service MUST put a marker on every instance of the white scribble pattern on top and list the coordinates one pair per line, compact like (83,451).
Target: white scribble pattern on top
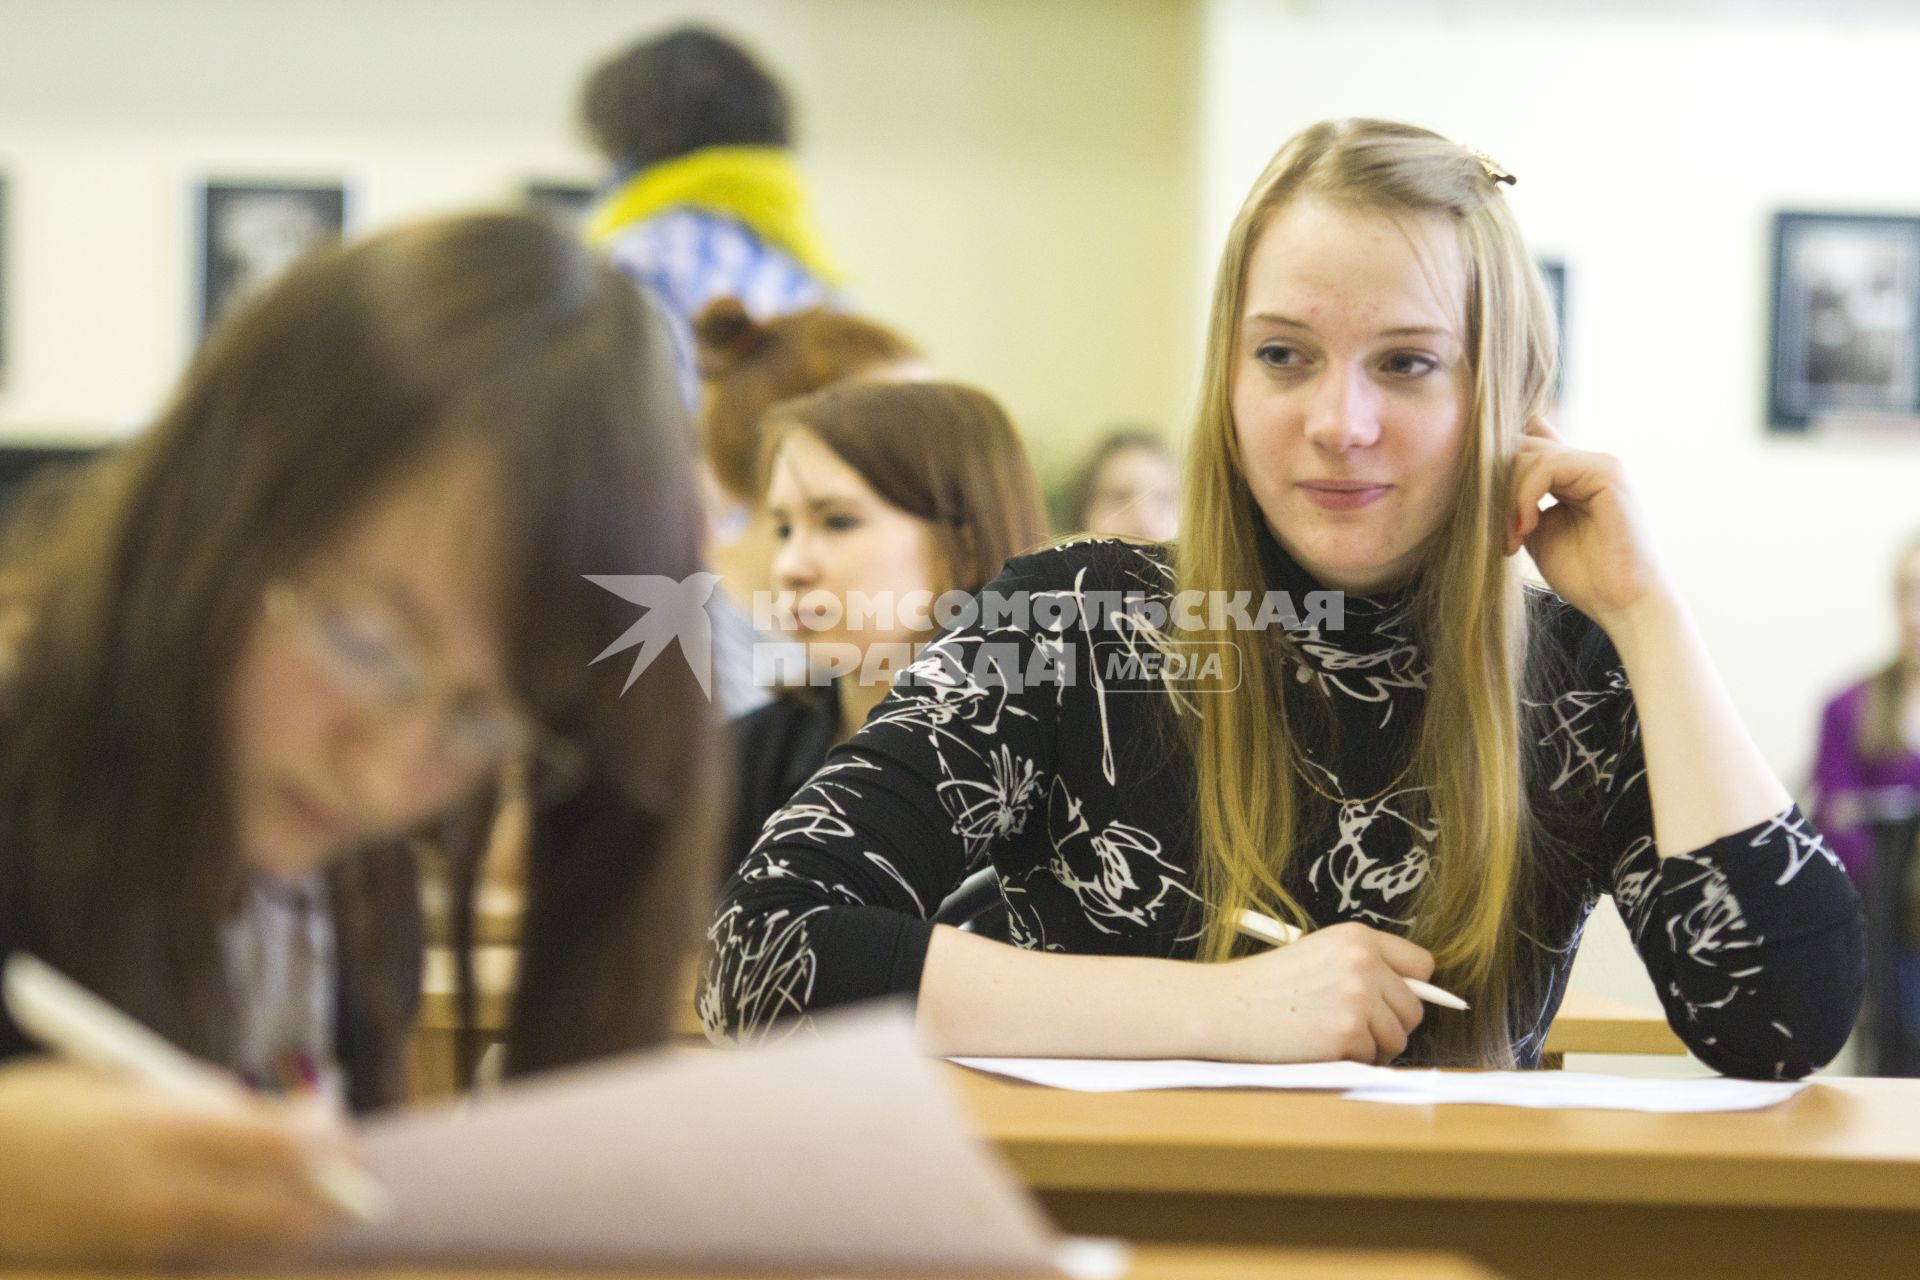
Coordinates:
(1079,796)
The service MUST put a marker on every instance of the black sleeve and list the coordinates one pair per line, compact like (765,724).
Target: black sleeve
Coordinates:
(1755,943)
(833,903)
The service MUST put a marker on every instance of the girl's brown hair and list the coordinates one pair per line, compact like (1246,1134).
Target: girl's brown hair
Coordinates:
(748,366)
(360,372)
(944,453)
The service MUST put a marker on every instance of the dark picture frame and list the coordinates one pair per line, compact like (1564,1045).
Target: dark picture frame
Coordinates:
(20,464)
(249,232)
(1844,340)
(1554,272)
(567,201)
(3,279)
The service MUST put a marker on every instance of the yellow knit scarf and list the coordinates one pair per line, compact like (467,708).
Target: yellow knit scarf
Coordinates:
(758,185)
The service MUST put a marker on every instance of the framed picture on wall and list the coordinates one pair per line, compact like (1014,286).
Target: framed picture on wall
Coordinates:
(250,232)
(1846,321)
(567,201)
(3,278)
(1554,270)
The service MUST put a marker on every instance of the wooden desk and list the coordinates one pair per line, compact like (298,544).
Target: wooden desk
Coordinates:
(493,976)
(1585,1024)
(496,915)
(1150,1263)
(1827,1184)
(493,972)
(433,1057)
(1600,1024)
(434,1054)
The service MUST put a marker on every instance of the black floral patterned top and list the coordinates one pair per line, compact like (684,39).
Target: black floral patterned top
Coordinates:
(1079,792)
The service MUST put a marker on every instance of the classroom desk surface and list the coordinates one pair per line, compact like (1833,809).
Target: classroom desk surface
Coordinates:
(496,915)
(1150,1263)
(493,972)
(1585,1024)
(1825,1184)
(1588,1023)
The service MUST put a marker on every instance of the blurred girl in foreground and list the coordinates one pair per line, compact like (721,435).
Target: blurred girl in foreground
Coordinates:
(331,596)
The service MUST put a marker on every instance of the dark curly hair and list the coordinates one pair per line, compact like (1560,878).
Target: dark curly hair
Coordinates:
(679,92)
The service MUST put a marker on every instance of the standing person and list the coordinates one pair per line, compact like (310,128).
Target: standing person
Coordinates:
(330,596)
(705,200)
(887,491)
(1128,487)
(1867,770)
(1870,734)
(1431,768)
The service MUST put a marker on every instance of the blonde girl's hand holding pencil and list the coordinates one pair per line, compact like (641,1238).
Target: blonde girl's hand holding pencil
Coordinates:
(1252,924)
(1337,993)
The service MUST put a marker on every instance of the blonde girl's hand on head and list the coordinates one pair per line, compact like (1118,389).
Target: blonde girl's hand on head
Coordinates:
(103,1171)
(1593,546)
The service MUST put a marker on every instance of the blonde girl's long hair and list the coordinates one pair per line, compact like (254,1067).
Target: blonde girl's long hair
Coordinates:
(1468,609)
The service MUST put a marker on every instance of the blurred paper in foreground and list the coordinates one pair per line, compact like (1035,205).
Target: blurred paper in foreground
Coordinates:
(842,1149)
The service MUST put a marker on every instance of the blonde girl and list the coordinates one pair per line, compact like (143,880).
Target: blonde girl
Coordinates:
(1372,729)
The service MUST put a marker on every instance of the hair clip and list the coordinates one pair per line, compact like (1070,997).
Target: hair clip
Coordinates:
(1494,170)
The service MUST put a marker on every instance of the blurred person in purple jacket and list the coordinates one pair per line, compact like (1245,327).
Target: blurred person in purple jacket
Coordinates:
(1870,737)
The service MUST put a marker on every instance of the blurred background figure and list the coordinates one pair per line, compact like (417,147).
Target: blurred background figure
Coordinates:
(746,367)
(1128,486)
(883,489)
(1869,756)
(704,199)
(1866,784)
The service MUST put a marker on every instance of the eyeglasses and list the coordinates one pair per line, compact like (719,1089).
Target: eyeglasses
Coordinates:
(373,656)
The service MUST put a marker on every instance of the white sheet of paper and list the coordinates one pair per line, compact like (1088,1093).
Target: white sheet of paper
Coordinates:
(1124,1075)
(843,1149)
(1403,1085)
(1582,1090)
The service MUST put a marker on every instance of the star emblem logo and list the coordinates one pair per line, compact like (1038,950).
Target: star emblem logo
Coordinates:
(676,613)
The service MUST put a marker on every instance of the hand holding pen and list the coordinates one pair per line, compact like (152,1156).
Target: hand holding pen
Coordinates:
(1267,929)
(163,1157)
(1342,992)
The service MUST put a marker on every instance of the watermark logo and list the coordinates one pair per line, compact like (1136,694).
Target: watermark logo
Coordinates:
(1046,611)
(676,613)
(1177,666)
(951,663)
(1006,640)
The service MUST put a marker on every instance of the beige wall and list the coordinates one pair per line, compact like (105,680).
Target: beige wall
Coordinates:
(1010,182)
